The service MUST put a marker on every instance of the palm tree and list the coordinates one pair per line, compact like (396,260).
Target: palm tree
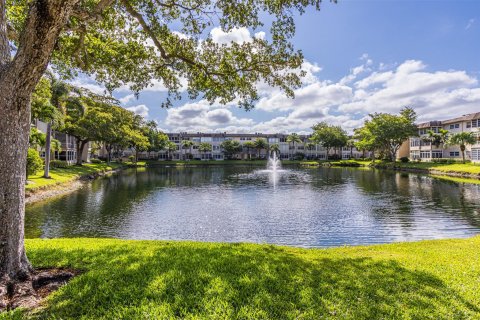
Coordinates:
(205,147)
(170,147)
(275,148)
(293,138)
(260,144)
(249,145)
(350,144)
(186,144)
(310,146)
(437,139)
(462,139)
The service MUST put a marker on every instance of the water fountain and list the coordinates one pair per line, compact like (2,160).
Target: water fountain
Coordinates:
(273,163)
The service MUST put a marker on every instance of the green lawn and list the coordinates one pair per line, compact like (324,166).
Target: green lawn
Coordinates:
(190,280)
(63,175)
(469,168)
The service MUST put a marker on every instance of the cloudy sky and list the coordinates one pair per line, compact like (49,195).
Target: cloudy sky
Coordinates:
(362,56)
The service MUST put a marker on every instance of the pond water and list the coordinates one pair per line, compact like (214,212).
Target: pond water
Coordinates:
(317,207)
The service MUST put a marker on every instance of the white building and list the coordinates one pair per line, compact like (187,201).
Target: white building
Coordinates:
(420,148)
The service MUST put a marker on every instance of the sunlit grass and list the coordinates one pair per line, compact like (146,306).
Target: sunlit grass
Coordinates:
(189,280)
(63,175)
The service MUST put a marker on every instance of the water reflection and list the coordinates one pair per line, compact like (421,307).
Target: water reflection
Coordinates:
(304,207)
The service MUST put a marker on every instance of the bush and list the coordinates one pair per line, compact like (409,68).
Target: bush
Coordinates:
(334,157)
(404,159)
(299,156)
(449,161)
(95,161)
(131,158)
(34,162)
(58,164)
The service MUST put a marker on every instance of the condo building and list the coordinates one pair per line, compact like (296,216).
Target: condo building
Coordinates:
(287,150)
(420,148)
(68,151)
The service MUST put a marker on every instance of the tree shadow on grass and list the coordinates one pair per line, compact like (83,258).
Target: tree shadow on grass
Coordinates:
(182,280)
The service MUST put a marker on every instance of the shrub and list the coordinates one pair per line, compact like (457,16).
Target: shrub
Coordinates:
(299,156)
(95,161)
(131,158)
(404,159)
(334,157)
(34,162)
(58,164)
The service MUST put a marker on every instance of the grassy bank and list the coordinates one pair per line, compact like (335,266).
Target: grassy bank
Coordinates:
(71,173)
(469,170)
(188,280)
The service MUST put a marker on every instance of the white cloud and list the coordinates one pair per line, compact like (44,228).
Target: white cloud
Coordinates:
(238,35)
(203,116)
(141,110)
(127,99)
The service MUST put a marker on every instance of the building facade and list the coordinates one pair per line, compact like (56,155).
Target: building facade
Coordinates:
(287,150)
(68,150)
(420,148)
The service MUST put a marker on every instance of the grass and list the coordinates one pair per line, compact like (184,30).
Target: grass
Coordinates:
(465,168)
(64,175)
(191,280)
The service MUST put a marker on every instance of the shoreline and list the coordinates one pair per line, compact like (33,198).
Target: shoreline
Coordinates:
(64,188)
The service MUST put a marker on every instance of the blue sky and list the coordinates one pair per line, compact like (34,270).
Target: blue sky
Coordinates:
(361,57)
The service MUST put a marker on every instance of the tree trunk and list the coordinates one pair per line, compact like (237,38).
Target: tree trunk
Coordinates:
(15,124)
(80,147)
(18,78)
(462,148)
(48,147)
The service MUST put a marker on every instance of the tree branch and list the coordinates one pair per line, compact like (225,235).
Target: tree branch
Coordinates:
(87,16)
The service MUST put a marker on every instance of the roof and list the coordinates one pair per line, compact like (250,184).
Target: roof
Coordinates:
(465,117)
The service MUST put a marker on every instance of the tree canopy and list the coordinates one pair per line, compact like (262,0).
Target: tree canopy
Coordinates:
(132,42)
(388,131)
(329,136)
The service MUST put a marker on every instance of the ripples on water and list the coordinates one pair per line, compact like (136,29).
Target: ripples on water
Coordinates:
(317,207)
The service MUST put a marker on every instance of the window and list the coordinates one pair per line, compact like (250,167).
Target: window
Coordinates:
(476,154)
(206,139)
(422,131)
(425,154)
(476,123)
(415,154)
(437,154)
(218,139)
(196,139)
(454,153)
(469,124)
(283,140)
(455,126)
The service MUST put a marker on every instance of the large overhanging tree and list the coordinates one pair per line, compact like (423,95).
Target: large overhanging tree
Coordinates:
(128,42)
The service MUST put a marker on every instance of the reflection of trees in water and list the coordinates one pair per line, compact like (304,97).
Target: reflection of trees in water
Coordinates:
(102,207)
(390,195)
(325,177)
(402,193)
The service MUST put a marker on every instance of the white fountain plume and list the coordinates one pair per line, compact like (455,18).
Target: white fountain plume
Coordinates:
(273,163)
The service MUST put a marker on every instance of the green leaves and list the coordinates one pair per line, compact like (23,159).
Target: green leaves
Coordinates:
(329,136)
(134,42)
(387,131)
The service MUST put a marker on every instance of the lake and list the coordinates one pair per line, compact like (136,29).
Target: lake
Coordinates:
(307,207)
